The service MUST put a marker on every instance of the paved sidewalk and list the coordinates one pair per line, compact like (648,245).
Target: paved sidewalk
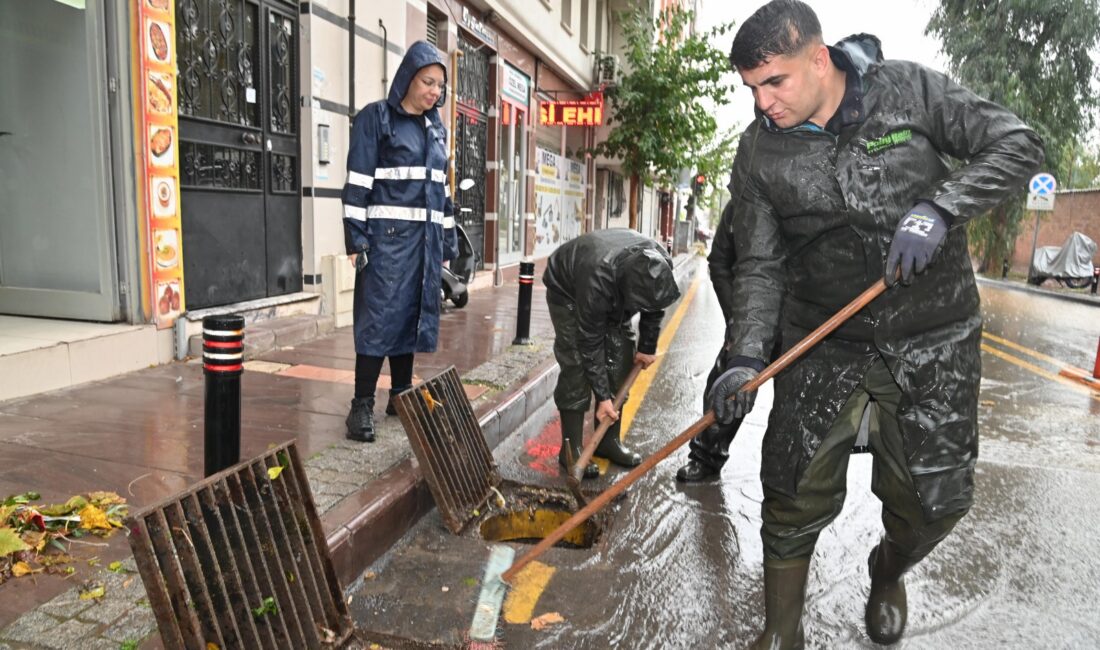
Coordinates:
(141,435)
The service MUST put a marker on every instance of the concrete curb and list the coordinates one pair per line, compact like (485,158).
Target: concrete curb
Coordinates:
(1016,286)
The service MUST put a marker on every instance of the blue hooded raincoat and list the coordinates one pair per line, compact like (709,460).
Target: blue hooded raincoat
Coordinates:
(397,208)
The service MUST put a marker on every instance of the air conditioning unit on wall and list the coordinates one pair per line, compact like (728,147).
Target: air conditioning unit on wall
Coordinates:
(609,70)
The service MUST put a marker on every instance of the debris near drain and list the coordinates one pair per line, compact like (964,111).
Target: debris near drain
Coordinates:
(33,537)
(539,623)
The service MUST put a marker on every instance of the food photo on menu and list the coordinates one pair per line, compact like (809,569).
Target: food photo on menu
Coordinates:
(169,297)
(158,40)
(164,196)
(158,89)
(160,145)
(166,248)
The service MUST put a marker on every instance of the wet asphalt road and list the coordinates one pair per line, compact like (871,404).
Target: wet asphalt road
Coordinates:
(681,567)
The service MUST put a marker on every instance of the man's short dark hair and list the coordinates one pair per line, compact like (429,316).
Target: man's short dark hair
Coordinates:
(781,27)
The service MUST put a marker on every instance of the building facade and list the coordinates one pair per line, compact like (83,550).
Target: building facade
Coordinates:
(163,158)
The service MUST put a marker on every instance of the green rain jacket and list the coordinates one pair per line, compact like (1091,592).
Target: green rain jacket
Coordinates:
(815,215)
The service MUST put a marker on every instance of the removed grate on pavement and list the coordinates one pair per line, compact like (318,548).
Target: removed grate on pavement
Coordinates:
(424,590)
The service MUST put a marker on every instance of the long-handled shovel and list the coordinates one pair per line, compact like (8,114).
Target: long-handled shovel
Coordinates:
(708,419)
(573,479)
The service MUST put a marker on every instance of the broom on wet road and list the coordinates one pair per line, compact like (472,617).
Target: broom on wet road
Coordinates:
(707,420)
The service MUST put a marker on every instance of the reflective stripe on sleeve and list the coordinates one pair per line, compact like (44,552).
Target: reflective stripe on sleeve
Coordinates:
(362,180)
(352,212)
(400,173)
(401,213)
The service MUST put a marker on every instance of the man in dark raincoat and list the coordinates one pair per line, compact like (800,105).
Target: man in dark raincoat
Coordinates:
(595,285)
(710,449)
(398,228)
(842,176)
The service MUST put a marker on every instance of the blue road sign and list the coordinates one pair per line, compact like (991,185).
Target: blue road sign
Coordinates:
(1042,184)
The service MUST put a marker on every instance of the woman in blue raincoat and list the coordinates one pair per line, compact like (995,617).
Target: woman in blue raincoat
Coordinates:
(398,228)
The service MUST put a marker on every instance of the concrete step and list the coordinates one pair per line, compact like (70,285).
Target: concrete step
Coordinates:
(39,355)
(260,318)
(264,336)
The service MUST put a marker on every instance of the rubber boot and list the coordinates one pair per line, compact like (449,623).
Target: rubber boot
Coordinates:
(572,435)
(360,421)
(887,611)
(611,448)
(696,472)
(394,392)
(784,595)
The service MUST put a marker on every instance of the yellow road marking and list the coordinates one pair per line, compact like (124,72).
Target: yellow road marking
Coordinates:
(645,380)
(1019,348)
(1039,371)
(527,586)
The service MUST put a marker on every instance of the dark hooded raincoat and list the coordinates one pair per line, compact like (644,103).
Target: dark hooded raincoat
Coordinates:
(815,215)
(397,208)
(604,278)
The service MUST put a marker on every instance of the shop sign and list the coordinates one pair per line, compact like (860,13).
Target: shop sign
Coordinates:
(515,85)
(477,27)
(584,112)
(158,137)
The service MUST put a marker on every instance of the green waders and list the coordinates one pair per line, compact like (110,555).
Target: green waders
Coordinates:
(791,525)
(573,392)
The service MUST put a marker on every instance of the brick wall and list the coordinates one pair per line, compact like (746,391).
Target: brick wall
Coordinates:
(1074,210)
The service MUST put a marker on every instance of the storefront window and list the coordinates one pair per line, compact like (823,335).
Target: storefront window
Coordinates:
(55,233)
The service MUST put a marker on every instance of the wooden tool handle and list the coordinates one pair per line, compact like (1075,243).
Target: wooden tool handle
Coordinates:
(622,484)
(601,431)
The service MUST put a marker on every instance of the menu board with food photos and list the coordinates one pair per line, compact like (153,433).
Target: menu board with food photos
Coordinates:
(158,158)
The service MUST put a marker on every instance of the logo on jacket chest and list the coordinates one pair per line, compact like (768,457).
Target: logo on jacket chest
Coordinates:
(889,141)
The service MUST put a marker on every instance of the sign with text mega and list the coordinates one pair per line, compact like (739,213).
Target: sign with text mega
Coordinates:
(581,112)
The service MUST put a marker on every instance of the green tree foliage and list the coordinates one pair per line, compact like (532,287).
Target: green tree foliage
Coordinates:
(1083,164)
(660,123)
(1033,57)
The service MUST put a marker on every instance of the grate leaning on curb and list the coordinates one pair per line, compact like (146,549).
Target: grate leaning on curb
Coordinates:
(239,560)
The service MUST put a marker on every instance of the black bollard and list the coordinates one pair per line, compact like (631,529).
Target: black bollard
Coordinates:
(523,314)
(222,348)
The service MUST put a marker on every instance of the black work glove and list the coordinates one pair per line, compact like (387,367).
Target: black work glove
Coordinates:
(361,261)
(728,403)
(916,241)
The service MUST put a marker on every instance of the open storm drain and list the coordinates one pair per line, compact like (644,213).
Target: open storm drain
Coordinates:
(533,515)
(463,477)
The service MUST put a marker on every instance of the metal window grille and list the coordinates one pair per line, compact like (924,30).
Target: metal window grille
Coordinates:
(432,35)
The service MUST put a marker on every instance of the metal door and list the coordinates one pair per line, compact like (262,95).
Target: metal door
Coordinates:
(470,134)
(241,213)
(57,229)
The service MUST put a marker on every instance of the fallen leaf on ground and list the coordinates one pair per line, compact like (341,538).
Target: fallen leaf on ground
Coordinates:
(95,593)
(105,498)
(20,569)
(115,566)
(546,620)
(988,402)
(93,518)
(10,541)
(273,472)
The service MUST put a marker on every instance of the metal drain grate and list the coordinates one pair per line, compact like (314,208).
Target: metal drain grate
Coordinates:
(239,560)
(450,447)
